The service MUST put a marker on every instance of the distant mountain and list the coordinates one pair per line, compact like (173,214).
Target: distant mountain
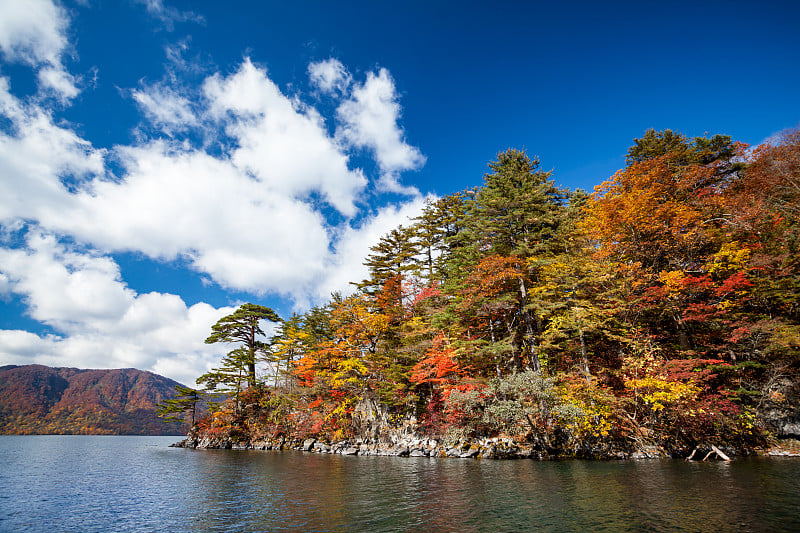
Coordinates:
(36,399)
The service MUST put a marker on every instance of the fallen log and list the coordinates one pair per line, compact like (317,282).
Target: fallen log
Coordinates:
(692,454)
(720,453)
(715,450)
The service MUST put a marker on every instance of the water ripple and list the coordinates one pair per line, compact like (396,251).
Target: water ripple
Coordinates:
(85,484)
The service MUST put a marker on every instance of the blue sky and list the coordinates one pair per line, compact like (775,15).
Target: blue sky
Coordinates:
(163,161)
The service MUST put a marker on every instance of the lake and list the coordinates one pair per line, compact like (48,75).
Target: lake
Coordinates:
(83,484)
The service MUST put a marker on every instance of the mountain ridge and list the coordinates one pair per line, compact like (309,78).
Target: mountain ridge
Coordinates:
(38,399)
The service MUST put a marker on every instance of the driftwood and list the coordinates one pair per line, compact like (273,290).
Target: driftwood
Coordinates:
(714,450)
(719,453)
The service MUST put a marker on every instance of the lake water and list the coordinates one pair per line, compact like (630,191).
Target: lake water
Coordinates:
(83,484)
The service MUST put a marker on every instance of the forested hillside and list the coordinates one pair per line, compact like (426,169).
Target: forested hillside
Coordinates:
(659,310)
(36,399)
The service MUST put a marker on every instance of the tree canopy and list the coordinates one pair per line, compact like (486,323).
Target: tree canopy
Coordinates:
(243,329)
(663,307)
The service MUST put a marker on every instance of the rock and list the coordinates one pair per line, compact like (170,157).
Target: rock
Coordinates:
(350,451)
(418,453)
(308,444)
(370,418)
(789,427)
(648,452)
(321,447)
(472,452)
(526,453)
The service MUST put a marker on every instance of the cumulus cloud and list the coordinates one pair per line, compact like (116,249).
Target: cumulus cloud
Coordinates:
(243,218)
(102,322)
(271,204)
(63,287)
(38,160)
(229,225)
(34,32)
(281,142)
(329,76)
(369,119)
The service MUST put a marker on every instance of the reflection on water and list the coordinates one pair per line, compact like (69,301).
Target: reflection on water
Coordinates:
(53,483)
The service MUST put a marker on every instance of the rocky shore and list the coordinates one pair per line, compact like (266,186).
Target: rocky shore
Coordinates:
(378,435)
(485,448)
(488,448)
(420,446)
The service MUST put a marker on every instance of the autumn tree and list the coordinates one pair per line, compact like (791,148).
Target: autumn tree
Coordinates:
(434,230)
(182,407)
(662,307)
(288,345)
(518,212)
(584,307)
(393,257)
(666,217)
(700,150)
(242,327)
(489,307)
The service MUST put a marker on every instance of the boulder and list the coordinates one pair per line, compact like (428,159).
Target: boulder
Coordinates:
(472,452)
(322,447)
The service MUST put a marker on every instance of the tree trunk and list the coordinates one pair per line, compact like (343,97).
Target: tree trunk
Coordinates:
(683,336)
(251,350)
(491,334)
(584,360)
(251,374)
(515,346)
(536,365)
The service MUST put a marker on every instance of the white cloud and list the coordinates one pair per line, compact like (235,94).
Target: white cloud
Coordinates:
(353,245)
(35,156)
(62,287)
(104,323)
(247,217)
(186,203)
(5,285)
(329,76)
(34,32)
(18,347)
(281,142)
(369,120)
(273,206)
(169,15)
(165,108)
(59,81)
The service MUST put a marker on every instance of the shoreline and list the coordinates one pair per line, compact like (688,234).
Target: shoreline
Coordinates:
(495,448)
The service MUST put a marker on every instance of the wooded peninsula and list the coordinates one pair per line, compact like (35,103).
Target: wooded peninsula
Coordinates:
(657,314)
